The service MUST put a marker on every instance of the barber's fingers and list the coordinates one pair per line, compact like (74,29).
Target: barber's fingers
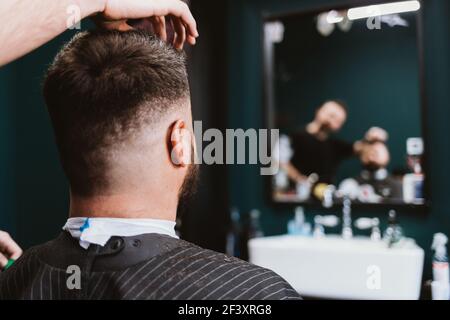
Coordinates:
(191,40)
(3,261)
(8,247)
(180,10)
(180,33)
(159,26)
(120,25)
(141,9)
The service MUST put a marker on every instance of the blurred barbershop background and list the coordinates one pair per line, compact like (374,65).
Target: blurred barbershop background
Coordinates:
(359,90)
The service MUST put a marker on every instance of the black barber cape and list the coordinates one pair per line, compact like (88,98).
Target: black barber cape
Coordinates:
(150,266)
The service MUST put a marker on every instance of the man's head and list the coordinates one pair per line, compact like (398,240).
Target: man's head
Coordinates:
(375,155)
(120,107)
(331,115)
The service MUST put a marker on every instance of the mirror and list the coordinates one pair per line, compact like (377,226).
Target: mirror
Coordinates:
(343,86)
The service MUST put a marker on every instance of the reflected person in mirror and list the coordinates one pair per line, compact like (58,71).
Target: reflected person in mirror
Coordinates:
(375,158)
(317,151)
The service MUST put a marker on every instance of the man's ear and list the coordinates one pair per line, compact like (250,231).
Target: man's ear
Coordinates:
(181,144)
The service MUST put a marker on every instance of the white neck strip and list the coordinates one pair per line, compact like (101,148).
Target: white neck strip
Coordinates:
(100,230)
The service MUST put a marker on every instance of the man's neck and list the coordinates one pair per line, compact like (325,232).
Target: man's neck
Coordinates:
(131,206)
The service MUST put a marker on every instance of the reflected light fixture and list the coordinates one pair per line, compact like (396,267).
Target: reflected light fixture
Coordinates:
(274,31)
(334,17)
(382,9)
(323,26)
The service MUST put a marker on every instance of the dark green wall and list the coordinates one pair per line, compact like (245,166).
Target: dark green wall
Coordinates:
(246,111)
(33,188)
(6,149)
(376,72)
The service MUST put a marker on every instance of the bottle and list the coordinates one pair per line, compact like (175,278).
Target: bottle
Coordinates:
(298,226)
(254,230)
(251,230)
(347,231)
(413,182)
(324,192)
(232,247)
(393,233)
(440,286)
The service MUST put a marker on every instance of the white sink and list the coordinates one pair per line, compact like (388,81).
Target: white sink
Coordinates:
(332,267)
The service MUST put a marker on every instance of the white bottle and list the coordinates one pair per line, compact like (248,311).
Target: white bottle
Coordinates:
(413,182)
(298,226)
(440,284)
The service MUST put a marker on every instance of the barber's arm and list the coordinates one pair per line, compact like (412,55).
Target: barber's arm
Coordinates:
(27,24)
(9,250)
(292,172)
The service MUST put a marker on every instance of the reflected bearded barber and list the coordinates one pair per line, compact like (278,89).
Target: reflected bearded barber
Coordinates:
(316,151)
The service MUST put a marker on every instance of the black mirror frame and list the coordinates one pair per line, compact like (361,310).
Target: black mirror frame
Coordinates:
(269,107)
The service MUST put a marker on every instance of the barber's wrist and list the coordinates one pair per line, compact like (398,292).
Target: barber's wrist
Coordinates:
(91,7)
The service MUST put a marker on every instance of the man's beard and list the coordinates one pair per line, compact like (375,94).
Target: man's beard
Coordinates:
(188,188)
(372,167)
(190,183)
(326,128)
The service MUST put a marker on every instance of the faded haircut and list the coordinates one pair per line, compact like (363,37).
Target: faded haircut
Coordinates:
(101,90)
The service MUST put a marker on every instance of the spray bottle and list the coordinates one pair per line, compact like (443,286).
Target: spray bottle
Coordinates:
(440,285)
(233,236)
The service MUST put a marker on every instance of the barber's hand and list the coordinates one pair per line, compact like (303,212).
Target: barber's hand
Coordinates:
(157,12)
(376,134)
(8,249)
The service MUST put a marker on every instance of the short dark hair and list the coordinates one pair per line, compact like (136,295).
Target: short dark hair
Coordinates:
(101,89)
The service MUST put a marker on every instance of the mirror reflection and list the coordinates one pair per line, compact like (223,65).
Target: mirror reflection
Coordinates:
(345,94)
